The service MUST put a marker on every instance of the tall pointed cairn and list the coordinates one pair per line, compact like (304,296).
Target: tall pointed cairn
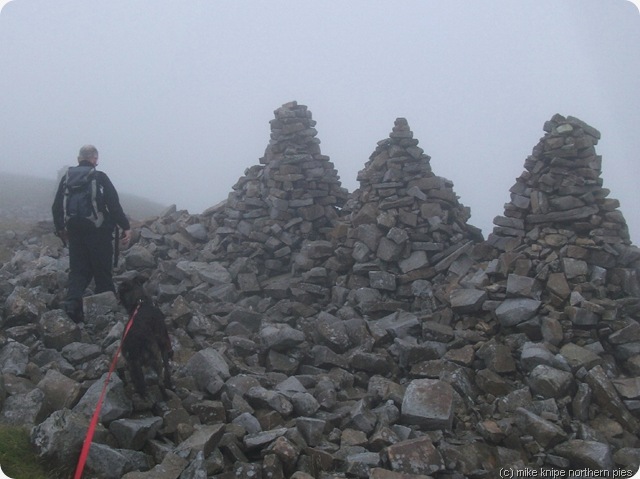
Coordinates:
(563,276)
(292,196)
(406,227)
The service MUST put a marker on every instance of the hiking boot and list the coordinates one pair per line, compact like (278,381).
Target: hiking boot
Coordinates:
(74,311)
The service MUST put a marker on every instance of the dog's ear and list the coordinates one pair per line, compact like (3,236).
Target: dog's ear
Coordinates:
(124,286)
(139,280)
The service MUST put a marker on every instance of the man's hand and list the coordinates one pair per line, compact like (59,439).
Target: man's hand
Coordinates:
(125,237)
(64,236)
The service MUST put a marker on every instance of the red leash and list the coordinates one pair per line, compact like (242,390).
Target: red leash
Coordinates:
(96,414)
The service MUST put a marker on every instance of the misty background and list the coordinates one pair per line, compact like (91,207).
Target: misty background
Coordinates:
(178,95)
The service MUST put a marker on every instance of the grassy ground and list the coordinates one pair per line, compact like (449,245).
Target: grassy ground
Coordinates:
(17,458)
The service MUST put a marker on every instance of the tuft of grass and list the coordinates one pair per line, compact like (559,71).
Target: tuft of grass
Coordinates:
(17,458)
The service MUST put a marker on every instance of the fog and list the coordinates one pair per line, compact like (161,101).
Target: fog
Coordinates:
(178,95)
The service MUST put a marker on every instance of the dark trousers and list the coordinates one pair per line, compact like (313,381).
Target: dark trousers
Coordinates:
(90,258)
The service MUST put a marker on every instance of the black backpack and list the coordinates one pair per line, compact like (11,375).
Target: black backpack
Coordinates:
(83,197)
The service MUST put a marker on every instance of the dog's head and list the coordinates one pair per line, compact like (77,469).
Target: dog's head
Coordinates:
(131,292)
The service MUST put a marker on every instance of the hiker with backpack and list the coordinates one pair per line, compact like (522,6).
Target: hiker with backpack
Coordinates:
(86,210)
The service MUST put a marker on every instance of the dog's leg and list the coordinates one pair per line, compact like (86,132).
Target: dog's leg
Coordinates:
(164,344)
(163,369)
(167,370)
(156,361)
(163,384)
(137,376)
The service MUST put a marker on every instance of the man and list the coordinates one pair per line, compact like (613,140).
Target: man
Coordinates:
(89,239)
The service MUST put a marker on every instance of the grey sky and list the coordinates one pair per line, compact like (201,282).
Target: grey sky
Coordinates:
(178,95)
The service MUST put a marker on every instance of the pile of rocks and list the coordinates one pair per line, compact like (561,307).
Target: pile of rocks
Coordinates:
(519,352)
(557,280)
(406,229)
(562,188)
(293,195)
(565,246)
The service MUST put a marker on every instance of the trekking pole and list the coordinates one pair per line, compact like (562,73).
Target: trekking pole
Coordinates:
(116,249)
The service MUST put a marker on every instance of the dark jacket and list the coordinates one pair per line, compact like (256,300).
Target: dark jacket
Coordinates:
(113,213)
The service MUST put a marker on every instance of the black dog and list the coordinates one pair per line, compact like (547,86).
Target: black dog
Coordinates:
(147,343)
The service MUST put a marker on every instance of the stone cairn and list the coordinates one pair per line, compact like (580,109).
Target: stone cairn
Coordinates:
(561,188)
(292,197)
(521,352)
(562,241)
(559,290)
(406,229)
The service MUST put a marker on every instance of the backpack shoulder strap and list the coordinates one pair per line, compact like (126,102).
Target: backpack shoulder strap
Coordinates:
(97,199)
(65,192)
(94,192)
